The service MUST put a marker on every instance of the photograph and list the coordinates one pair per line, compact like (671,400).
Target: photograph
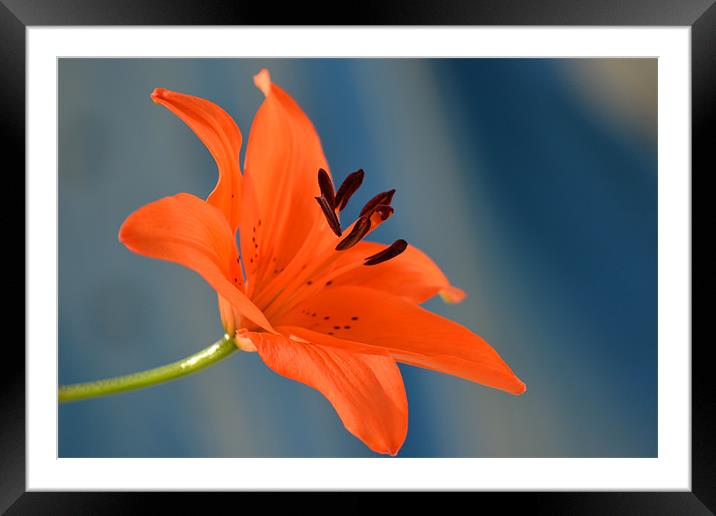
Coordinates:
(376,258)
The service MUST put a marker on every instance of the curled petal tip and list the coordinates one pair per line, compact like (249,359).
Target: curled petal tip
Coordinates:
(452,295)
(387,448)
(516,387)
(262,80)
(159,94)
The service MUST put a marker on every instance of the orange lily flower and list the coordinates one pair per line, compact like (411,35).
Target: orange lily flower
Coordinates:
(318,303)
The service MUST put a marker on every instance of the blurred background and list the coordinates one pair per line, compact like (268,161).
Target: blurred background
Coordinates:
(532,183)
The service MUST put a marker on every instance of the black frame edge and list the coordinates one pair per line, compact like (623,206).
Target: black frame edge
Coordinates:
(701,14)
(370,12)
(12,381)
(703,123)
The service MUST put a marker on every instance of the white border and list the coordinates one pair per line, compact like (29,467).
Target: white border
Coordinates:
(671,470)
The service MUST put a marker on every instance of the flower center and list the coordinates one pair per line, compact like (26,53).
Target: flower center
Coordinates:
(321,265)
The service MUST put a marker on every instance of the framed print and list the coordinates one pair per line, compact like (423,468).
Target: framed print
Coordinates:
(429,251)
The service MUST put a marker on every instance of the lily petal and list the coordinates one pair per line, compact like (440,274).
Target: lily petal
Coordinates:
(283,156)
(366,391)
(250,234)
(409,333)
(411,275)
(218,131)
(187,230)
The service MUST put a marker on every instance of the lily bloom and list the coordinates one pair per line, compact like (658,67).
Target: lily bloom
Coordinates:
(319,303)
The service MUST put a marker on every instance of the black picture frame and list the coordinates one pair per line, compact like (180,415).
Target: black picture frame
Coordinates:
(17,15)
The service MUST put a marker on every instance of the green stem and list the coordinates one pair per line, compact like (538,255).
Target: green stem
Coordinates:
(196,362)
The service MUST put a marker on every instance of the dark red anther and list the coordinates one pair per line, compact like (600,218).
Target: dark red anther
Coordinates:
(348,187)
(382,198)
(360,229)
(386,254)
(326,185)
(383,211)
(330,215)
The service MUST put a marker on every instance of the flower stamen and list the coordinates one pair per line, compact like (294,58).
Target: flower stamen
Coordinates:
(349,186)
(331,216)
(383,198)
(326,185)
(380,214)
(322,272)
(360,229)
(386,254)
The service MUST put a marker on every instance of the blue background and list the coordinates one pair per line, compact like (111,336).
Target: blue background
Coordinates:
(532,183)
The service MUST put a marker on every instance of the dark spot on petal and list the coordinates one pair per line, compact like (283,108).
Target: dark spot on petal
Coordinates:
(354,318)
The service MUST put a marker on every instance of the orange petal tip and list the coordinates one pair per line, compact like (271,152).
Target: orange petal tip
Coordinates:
(122,234)
(262,80)
(159,94)
(452,295)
